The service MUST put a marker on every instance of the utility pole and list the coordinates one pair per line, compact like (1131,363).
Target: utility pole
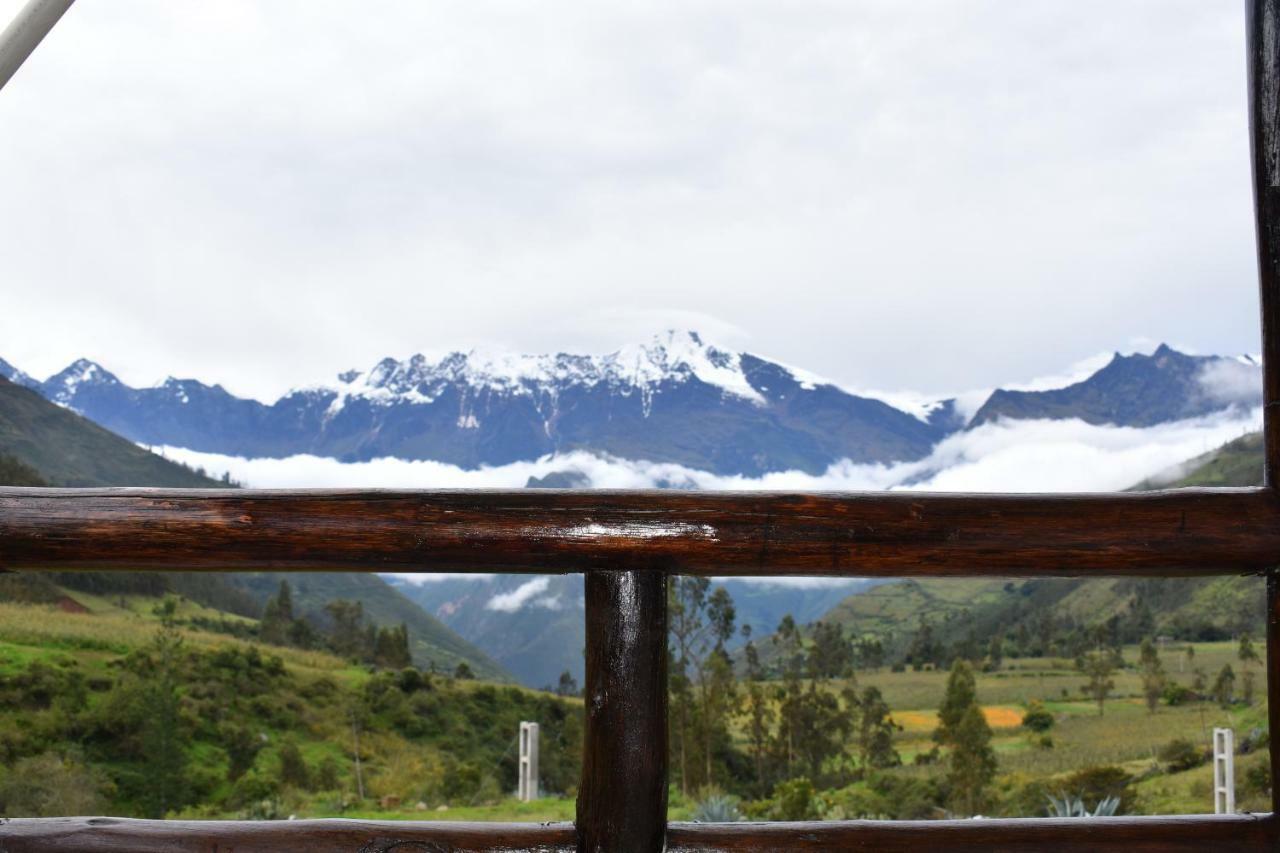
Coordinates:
(26,31)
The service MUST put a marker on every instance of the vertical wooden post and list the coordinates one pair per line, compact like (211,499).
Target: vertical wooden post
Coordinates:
(622,796)
(1263,48)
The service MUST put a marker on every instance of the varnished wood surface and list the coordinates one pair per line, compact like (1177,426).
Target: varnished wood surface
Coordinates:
(1191,531)
(1262,46)
(1201,834)
(1263,49)
(1133,835)
(122,835)
(622,795)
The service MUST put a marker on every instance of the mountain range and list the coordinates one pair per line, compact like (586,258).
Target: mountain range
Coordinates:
(753,415)
(676,399)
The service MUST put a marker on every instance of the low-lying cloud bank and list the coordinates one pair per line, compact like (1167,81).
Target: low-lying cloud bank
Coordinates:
(1005,456)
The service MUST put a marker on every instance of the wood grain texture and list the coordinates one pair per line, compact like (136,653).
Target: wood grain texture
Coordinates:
(622,796)
(1263,50)
(122,835)
(1262,46)
(1191,531)
(1131,835)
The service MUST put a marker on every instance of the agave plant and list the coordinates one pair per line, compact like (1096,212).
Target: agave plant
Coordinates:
(717,808)
(1069,806)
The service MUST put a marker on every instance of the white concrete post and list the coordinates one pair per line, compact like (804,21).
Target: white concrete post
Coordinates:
(528,762)
(1224,772)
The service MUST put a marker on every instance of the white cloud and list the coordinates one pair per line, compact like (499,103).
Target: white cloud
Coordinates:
(1003,456)
(418,579)
(326,186)
(798,582)
(1232,381)
(510,602)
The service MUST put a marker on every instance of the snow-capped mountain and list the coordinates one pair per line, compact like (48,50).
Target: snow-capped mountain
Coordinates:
(492,408)
(676,399)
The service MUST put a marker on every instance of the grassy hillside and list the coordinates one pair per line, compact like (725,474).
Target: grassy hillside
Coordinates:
(107,711)
(68,450)
(1238,463)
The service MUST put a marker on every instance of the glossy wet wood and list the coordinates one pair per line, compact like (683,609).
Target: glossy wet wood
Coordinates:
(118,835)
(1132,835)
(622,796)
(1193,531)
(1263,51)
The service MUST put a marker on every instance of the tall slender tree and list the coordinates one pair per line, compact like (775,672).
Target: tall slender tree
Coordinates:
(1152,671)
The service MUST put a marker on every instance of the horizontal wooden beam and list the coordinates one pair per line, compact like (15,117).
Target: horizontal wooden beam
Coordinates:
(1181,532)
(117,835)
(1130,835)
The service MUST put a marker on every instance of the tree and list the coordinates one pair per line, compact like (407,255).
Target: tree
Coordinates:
(165,759)
(567,685)
(700,682)
(1152,671)
(875,731)
(758,711)
(831,655)
(1225,685)
(1248,657)
(961,694)
(870,653)
(348,637)
(995,653)
(391,648)
(924,648)
(790,696)
(1190,657)
(293,767)
(277,616)
(973,762)
(1098,666)
(1199,684)
(462,671)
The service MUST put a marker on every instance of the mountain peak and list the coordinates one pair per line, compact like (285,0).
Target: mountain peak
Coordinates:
(64,385)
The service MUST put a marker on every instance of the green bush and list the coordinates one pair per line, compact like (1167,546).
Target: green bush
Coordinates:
(1095,784)
(1038,718)
(51,785)
(794,800)
(1181,754)
(1176,694)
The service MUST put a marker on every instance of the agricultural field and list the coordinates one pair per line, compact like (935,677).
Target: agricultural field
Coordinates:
(1125,735)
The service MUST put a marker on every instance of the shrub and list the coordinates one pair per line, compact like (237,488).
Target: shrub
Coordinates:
(794,800)
(1038,718)
(1180,754)
(1177,694)
(293,768)
(51,785)
(1257,780)
(1095,784)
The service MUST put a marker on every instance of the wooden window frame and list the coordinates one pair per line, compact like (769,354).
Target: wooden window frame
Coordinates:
(628,543)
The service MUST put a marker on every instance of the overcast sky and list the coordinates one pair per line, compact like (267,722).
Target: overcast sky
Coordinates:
(929,195)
